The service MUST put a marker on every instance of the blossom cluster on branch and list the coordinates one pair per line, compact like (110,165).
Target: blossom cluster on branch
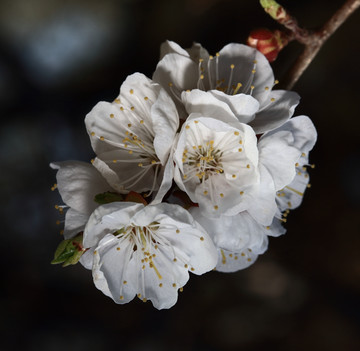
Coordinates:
(194,170)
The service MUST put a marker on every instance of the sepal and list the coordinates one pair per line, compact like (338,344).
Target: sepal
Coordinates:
(69,251)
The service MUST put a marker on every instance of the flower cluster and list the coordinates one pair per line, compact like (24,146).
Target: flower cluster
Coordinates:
(194,170)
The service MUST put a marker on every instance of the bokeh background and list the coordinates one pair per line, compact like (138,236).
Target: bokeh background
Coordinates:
(57,60)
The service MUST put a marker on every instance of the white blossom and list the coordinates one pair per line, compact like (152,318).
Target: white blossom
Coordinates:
(146,251)
(234,75)
(78,184)
(133,136)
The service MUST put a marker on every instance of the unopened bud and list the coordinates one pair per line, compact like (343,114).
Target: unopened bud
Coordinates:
(275,10)
(267,42)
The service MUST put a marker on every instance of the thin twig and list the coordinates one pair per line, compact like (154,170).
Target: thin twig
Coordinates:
(314,41)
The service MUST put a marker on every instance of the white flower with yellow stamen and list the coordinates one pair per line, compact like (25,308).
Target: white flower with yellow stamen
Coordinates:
(216,164)
(146,251)
(132,136)
(234,75)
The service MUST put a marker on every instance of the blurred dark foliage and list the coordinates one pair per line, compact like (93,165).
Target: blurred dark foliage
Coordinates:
(57,60)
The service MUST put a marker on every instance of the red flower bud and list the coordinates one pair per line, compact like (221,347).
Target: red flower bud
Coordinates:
(267,42)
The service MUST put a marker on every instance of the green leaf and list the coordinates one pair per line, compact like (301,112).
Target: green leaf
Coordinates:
(69,251)
(107,197)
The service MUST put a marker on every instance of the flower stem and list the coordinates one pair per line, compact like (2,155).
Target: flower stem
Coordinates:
(313,41)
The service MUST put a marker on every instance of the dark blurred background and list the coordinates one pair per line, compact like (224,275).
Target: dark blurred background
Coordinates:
(57,60)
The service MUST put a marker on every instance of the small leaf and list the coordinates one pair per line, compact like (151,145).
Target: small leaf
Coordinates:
(135,197)
(107,197)
(69,251)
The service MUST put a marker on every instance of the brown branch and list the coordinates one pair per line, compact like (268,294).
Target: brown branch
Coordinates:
(314,41)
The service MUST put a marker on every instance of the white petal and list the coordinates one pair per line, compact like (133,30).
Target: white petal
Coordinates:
(176,73)
(78,183)
(263,207)
(167,180)
(206,104)
(197,52)
(281,148)
(107,219)
(74,223)
(110,269)
(165,121)
(242,106)
(170,47)
(243,58)
(273,114)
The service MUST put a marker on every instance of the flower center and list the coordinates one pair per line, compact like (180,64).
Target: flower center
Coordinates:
(202,161)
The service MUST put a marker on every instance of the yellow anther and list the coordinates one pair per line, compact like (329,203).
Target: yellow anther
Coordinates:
(267,88)
(252,87)
(192,269)
(184,176)
(234,175)
(138,295)
(144,299)
(187,127)
(186,266)
(124,282)
(296,164)
(217,54)
(153,162)
(241,193)
(249,259)
(236,133)
(117,101)
(114,161)
(92,160)
(130,152)
(181,289)
(160,285)
(268,227)
(276,82)
(121,108)
(174,285)
(309,185)
(131,91)
(102,138)
(240,142)
(221,195)
(216,207)
(247,166)
(142,121)
(170,84)
(202,238)
(132,108)
(92,133)
(201,60)
(177,231)
(211,57)
(129,125)
(121,297)
(240,150)
(111,115)
(57,207)
(253,71)
(232,66)
(202,76)
(95,252)
(174,259)
(205,192)
(140,164)
(242,254)
(272,99)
